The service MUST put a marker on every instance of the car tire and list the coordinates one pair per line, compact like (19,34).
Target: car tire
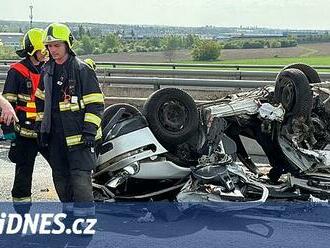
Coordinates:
(293,91)
(310,73)
(110,111)
(172,116)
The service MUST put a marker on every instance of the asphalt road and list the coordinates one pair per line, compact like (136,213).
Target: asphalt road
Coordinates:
(42,185)
(298,228)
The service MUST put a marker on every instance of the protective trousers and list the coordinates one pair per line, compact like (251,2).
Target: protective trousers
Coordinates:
(24,154)
(71,171)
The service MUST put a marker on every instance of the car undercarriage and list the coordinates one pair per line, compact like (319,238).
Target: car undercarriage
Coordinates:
(177,150)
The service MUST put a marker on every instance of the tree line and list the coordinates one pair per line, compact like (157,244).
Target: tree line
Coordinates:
(201,49)
(260,43)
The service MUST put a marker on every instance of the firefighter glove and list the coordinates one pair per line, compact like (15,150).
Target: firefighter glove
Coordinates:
(88,140)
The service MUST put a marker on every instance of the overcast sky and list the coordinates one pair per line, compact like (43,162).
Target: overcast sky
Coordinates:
(296,14)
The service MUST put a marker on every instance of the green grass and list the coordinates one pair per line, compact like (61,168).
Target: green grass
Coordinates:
(320,60)
(317,60)
(313,61)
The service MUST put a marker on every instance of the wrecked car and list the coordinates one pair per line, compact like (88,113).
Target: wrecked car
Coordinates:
(176,150)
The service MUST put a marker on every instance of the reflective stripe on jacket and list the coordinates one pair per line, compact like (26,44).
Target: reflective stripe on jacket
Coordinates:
(20,89)
(81,106)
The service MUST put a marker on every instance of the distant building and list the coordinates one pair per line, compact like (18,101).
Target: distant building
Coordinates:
(302,33)
(131,37)
(11,39)
(257,36)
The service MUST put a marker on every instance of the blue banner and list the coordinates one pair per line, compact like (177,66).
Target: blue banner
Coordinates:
(168,225)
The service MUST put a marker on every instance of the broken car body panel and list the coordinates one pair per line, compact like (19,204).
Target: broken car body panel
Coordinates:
(202,164)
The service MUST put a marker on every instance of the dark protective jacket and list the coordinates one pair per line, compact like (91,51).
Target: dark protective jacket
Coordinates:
(19,89)
(81,102)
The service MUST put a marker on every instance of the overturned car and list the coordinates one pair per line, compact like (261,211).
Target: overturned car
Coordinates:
(176,150)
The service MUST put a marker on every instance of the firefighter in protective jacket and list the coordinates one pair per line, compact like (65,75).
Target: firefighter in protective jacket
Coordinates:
(71,104)
(19,89)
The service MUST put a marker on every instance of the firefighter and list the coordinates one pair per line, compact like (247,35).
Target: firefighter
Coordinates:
(19,89)
(71,102)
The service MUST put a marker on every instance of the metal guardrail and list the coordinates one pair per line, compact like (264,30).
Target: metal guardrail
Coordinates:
(224,74)
(194,73)
(219,74)
(157,82)
(7,61)
(179,65)
(190,73)
(171,77)
(182,65)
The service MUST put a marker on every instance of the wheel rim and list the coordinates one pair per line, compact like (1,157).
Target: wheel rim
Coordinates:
(173,116)
(288,95)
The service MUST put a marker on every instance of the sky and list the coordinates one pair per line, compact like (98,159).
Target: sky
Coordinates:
(287,14)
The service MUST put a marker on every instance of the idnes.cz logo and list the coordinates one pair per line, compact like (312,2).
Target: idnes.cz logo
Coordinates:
(45,223)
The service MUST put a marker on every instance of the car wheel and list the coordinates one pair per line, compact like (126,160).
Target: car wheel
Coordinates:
(110,111)
(293,91)
(172,116)
(310,73)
